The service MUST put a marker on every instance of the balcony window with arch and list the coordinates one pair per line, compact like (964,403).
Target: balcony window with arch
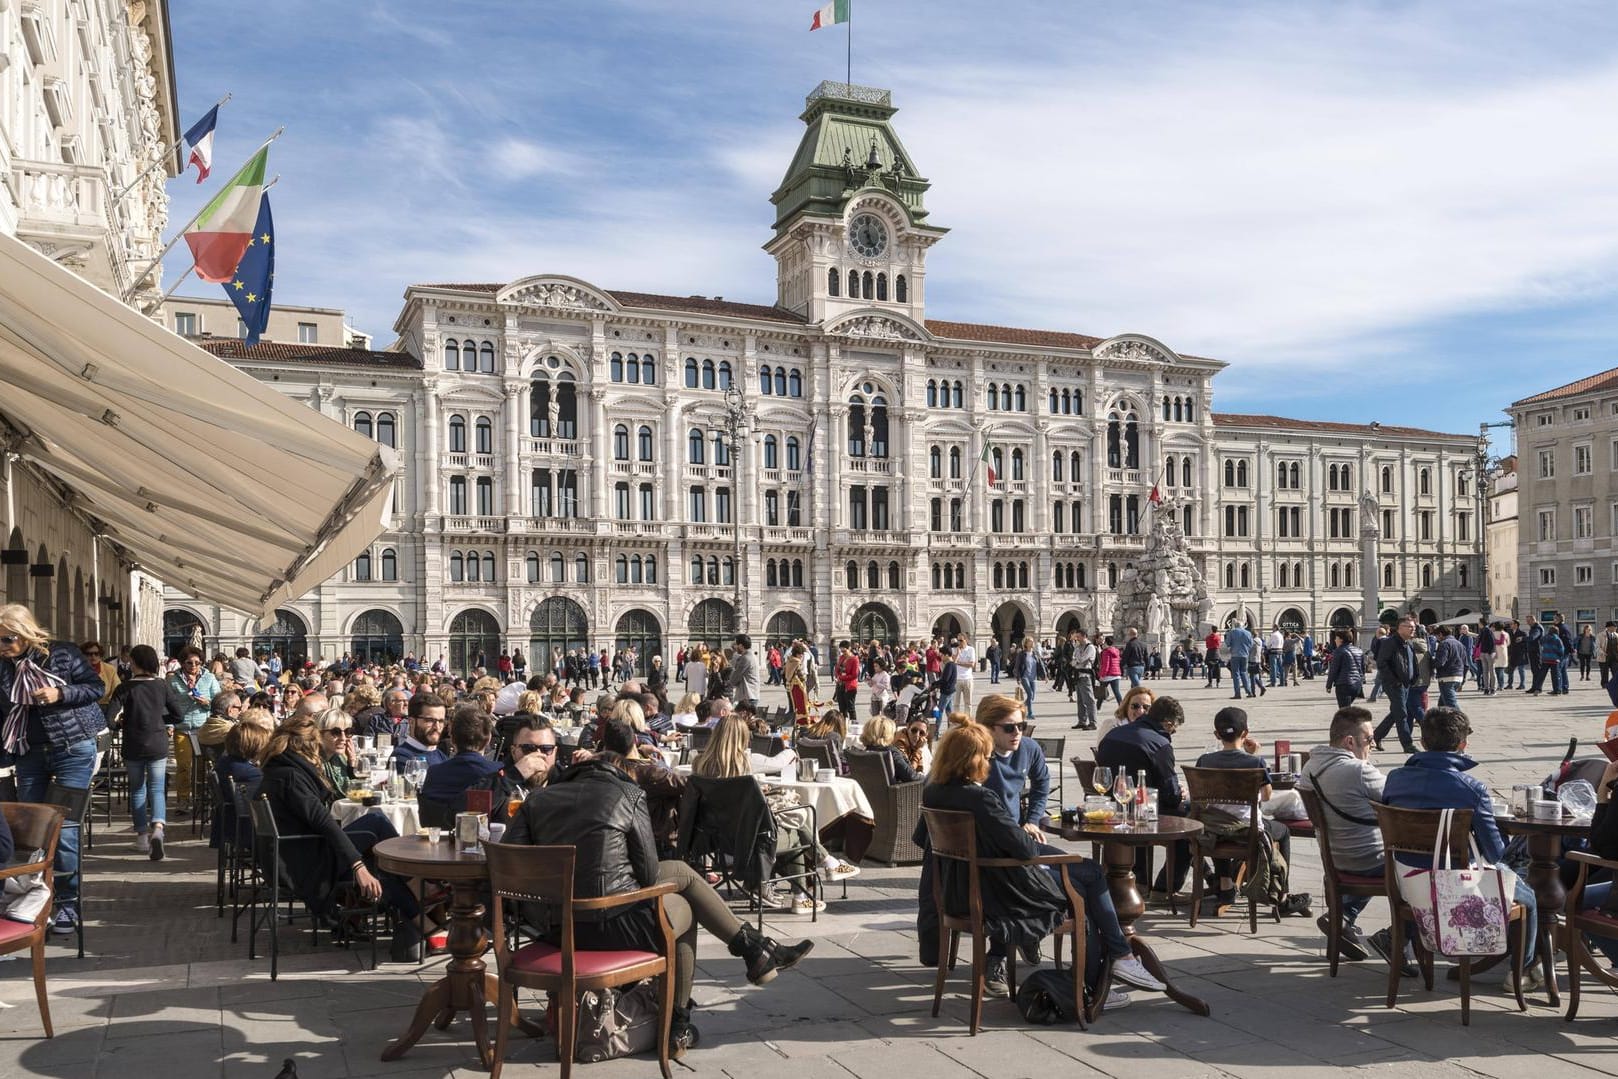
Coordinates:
(695,453)
(1016,464)
(709,379)
(632,369)
(1123,440)
(484,434)
(390,564)
(935,462)
(486,358)
(620,443)
(362,566)
(457,434)
(955,462)
(690,373)
(721,449)
(780,382)
(792,454)
(643,443)
(615,367)
(1019,399)
(386,427)
(1185,472)
(993,396)
(362,423)
(452,355)
(772,455)
(1057,461)
(648,369)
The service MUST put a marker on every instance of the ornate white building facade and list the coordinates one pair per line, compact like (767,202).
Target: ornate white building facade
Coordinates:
(87,104)
(572,478)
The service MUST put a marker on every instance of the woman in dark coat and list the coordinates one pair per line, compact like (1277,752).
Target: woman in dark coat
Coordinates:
(145,708)
(301,798)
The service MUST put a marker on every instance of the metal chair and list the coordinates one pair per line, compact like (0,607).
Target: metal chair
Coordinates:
(75,805)
(952,836)
(709,809)
(545,874)
(33,827)
(1055,749)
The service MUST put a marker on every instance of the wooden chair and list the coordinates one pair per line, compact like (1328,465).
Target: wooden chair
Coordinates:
(1582,919)
(1336,882)
(545,874)
(33,827)
(1415,831)
(897,807)
(953,835)
(1229,788)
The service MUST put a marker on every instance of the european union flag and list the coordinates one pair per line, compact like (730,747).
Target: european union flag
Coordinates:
(249,288)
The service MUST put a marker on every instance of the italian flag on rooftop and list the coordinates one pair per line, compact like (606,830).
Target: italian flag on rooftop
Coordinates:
(830,15)
(218,238)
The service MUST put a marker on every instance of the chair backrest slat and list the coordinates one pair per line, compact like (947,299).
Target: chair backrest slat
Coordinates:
(1224,786)
(1415,831)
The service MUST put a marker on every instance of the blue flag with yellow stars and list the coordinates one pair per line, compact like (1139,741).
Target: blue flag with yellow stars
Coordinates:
(249,288)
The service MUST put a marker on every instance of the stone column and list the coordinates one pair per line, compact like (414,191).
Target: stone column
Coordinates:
(598,453)
(433,464)
(1041,486)
(977,480)
(513,467)
(1370,533)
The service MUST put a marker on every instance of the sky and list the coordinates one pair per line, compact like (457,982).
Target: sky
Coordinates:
(1401,212)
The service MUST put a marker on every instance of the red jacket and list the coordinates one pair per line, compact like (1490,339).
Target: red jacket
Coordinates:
(848,671)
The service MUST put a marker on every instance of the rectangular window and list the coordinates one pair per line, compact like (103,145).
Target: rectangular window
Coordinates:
(772,508)
(697,509)
(457,495)
(1547,577)
(1584,574)
(856,508)
(997,515)
(1547,464)
(1115,514)
(648,503)
(567,493)
(1582,460)
(1463,527)
(1426,524)
(1581,415)
(1544,420)
(1584,522)
(485,496)
(620,501)
(721,505)
(879,508)
(935,515)
(1615,573)
(308,333)
(1547,525)
(794,509)
(1241,520)
(957,517)
(1387,525)
(1058,515)
(185,323)
(1017,514)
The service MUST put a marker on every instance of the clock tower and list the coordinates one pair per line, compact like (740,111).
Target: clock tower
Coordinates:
(851,228)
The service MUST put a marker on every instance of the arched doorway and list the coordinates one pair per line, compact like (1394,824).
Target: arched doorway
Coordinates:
(875,622)
(180,628)
(1428,616)
(713,623)
(947,627)
(1009,626)
(288,635)
(638,630)
(377,636)
(557,622)
(470,633)
(1069,622)
(1291,620)
(784,627)
(1241,614)
(1344,618)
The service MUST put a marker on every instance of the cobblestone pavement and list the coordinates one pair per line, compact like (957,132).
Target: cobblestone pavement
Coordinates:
(163,988)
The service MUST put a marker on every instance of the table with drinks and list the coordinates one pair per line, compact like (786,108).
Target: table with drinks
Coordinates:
(1545,824)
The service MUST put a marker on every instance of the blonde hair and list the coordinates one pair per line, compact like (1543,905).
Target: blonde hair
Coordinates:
(997,708)
(1122,711)
(726,754)
(831,724)
(20,620)
(689,702)
(877,733)
(334,719)
(257,717)
(531,701)
(631,713)
(361,697)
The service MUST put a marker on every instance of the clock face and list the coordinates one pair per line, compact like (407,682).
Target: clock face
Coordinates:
(867,235)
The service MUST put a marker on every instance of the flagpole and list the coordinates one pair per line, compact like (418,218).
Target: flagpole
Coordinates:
(175,145)
(135,281)
(188,271)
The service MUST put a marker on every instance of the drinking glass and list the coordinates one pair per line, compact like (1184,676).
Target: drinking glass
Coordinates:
(1101,780)
(513,807)
(1123,792)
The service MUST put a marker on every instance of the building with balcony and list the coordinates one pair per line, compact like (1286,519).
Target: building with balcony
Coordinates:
(571,477)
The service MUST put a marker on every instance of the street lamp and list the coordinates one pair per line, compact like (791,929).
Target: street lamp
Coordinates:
(1482,471)
(735,418)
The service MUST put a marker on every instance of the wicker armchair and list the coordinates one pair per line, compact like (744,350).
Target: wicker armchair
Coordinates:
(897,807)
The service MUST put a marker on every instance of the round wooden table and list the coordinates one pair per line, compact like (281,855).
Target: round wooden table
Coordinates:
(1545,876)
(1118,843)
(466,985)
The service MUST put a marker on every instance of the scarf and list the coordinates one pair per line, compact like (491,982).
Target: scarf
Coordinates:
(27,678)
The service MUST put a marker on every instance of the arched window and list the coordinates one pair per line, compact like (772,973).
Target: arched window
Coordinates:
(691,373)
(362,566)
(1005,398)
(1052,406)
(488,566)
(1247,575)
(385,429)
(938,577)
(651,569)
(1020,399)
(771,580)
(457,566)
(1168,409)
(473,567)
(1022,575)
(955,397)
(932,393)
(851,576)
(621,569)
(694,454)
(724,374)
(1387,480)
(792,453)
(832,281)
(390,564)
(1178,407)
(531,565)
(935,462)
(999,575)
(893,576)
(882,286)
(766,384)
(771,452)
(955,462)
(620,443)
(457,434)
(1016,464)
(632,368)
(1426,574)
(729,576)
(993,395)
(1230,575)
(452,355)
(643,439)
(1241,473)
(1294,472)
(873,575)
(696,569)
(795,383)
(362,423)
(1424,482)
(484,431)
(1190,411)
(707,374)
(1056,466)
(797,573)
(1230,473)
(865,286)
(780,382)
(901,291)
(648,369)
(486,358)
(1185,472)
(558,568)
(615,367)
(713,570)
(581,568)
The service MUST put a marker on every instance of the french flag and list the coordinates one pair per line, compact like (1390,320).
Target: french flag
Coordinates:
(200,139)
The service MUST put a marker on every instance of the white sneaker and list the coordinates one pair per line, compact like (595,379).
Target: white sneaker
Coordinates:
(1133,972)
(841,871)
(802,904)
(1116,999)
(775,900)
(143,843)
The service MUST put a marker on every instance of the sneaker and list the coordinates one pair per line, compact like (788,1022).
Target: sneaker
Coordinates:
(803,904)
(1351,943)
(841,871)
(775,900)
(1132,971)
(1030,953)
(1116,998)
(1533,979)
(155,851)
(143,843)
(65,922)
(1296,905)
(1381,942)
(994,976)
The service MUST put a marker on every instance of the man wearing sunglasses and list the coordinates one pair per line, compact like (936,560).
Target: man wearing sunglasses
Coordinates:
(530,761)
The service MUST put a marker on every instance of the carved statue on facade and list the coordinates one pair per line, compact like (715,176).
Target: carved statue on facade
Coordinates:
(553,411)
(1370,518)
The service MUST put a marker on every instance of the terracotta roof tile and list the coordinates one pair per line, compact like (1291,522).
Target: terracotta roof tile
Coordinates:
(485,287)
(1283,423)
(231,348)
(704,306)
(1606,380)
(1010,335)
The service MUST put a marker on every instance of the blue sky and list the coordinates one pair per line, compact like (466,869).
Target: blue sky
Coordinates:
(1405,212)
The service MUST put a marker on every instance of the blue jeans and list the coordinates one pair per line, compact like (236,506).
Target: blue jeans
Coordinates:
(146,779)
(1595,895)
(1027,696)
(1239,676)
(994,673)
(1278,671)
(71,766)
(1449,694)
(1561,674)
(1135,675)
(1090,881)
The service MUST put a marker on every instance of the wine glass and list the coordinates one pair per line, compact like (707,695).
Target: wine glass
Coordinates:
(1101,780)
(1123,792)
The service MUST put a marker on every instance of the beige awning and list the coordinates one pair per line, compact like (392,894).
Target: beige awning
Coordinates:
(217,484)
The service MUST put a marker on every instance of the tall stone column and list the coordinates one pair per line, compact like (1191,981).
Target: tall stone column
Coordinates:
(598,453)
(1041,487)
(977,481)
(1370,533)
(433,465)
(513,440)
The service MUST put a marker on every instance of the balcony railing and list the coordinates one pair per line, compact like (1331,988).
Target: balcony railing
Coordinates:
(483,525)
(789,535)
(638,528)
(879,466)
(1129,476)
(704,530)
(551,447)
(543,525)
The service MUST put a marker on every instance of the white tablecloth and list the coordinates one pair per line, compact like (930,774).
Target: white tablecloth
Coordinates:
(832,801)
(402,815)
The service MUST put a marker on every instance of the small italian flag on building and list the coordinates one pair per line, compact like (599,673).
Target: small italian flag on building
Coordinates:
(987,460)
(830,15)
(218,238)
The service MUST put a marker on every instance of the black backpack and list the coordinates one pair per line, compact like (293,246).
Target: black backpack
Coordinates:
(1045,997)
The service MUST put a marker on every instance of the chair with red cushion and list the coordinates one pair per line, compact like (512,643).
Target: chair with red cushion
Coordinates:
(1337,883)
(545,874)
(33,827)
(1581,919)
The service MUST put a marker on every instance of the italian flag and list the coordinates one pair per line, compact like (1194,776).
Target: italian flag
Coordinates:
(987,460)
(218,237)
(830,15)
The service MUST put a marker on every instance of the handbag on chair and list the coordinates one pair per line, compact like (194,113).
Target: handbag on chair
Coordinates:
(1460,912)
